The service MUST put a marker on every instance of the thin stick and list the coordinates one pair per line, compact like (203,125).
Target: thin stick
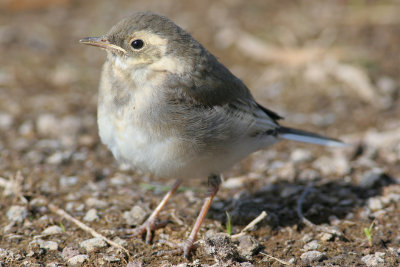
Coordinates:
(278,260)
(84,227)
(251,224)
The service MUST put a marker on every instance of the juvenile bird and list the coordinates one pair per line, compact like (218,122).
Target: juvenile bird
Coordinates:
(167,106)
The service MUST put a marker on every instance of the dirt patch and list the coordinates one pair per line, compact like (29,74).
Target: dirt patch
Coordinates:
(326,67)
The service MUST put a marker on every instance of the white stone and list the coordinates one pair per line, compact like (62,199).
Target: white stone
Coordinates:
(135,216)
(96,203)
(111,258)
(91,215)
(312,256)
(92,244)
(78,260)
(6,121)
(68,180)
(52,230)
(47,245)
(17,213)
(375,204)
(47,125)
(332,165)
(301,155)
(313,245)
(373,260)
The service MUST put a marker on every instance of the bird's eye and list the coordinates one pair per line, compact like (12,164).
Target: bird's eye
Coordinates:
(137,44)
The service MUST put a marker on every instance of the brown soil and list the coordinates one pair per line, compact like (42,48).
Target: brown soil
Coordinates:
(330,67)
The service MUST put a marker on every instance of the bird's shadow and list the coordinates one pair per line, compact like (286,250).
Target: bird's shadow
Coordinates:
(324,199)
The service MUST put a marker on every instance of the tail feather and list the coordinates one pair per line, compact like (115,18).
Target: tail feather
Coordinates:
(307,137)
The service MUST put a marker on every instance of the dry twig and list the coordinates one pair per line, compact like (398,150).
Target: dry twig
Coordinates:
(278,260)
(84,227)
(251,224)
(13,186)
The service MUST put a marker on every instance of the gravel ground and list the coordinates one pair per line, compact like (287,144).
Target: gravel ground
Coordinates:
(329,67)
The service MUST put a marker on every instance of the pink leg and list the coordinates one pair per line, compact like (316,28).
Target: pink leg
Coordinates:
(213,183)
(150,224)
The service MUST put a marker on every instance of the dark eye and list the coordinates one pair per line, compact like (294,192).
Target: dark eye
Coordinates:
(137,44)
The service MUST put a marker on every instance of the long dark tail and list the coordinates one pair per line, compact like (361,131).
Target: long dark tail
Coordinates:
(307,137)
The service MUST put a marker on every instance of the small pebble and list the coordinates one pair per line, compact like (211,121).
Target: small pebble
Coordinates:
(38,202)
(312,256)
(78,259)
(326,237)
(312,245)
(135,263)
(394,251)
(17,214)
(26,128)
(96,203)
(6,254)
(135,216)
(92,244)
(248,246)
(6,121)
(391,198)
(69,252)
(287,171)
(91,216)
(68,181)
(386,85)
(301,155)
(220,246)
(307,238)
(371,177)
(47,245)
(308,175)
(55,159)
(120,180)
(374,259)
(52,230)
(111,258)
(45,125)
(338,165)
(375,204)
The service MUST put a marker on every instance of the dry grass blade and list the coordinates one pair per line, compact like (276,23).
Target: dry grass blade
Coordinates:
(278,260)
(251,224)
(84,227)
(13,186)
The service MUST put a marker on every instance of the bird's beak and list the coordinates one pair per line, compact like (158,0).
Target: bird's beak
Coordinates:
(102,42)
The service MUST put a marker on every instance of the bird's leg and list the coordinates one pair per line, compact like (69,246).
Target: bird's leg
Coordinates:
(214,182)
(151,223)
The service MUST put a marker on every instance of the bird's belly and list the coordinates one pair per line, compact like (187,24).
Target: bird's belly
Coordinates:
(169,155)
(145,150)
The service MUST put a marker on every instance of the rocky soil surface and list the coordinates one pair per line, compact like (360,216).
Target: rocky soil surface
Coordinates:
(327,66)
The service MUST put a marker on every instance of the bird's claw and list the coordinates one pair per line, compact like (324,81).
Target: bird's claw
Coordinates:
(186,248)
(148,227)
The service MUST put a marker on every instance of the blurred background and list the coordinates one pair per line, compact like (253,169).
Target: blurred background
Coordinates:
(332,66)
(327,66)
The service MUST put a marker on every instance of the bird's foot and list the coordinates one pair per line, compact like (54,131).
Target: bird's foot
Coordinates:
(186,248)
(148,227)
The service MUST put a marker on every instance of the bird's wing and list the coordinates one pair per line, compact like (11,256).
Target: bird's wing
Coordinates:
(211,84)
